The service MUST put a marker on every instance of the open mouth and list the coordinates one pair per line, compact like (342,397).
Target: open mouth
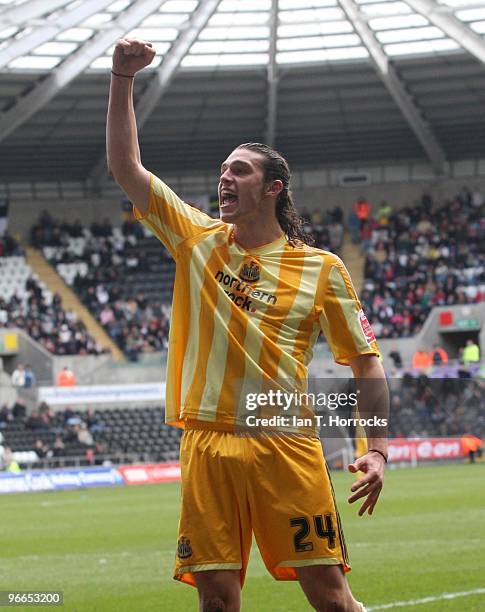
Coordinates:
(228,200)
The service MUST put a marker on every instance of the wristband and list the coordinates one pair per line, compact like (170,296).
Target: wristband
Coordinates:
(123,76)
(374,450)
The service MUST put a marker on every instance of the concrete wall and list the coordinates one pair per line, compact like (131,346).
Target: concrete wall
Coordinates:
(83,366)
(33,353)
(399,185)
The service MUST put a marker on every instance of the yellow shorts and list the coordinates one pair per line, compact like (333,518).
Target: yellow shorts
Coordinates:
(276,486)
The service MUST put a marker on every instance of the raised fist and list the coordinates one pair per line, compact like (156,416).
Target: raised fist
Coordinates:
(131,56)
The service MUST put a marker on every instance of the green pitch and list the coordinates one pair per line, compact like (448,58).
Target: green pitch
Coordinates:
(111,550)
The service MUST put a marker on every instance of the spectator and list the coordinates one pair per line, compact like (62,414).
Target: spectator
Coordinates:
(66,378)
(472,446)
(5,415)
(84,436)
(438,355)
(384,213)
(58,447)
(18,376)
(362,209)
(421,359)
(36,422)
(19,410)
(10,464)
(46,414)
(396,357)
(471,352)
(30,377)
(41,449)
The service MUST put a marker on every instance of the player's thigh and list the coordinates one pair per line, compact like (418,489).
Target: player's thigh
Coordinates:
(214,530)
(219,590)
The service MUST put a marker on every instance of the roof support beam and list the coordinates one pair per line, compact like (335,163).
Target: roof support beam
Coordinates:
(47,89)
(163,77)
(171,63)
(451,26)
(18,15)
(396,88)
(54,25)
(273,77)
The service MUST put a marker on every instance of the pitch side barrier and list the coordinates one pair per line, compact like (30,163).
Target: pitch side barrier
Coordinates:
(69,479)
(402,451)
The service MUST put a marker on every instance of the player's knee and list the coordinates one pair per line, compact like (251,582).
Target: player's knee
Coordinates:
(218,604)
(331,600)
(213,604)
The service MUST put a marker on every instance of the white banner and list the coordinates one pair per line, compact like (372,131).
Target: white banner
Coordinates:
(103,394)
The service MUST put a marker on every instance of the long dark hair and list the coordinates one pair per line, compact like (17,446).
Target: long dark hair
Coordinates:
(275,168)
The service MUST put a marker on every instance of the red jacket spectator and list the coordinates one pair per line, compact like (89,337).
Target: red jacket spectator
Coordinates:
(421,360)
(66,378)
(362,209)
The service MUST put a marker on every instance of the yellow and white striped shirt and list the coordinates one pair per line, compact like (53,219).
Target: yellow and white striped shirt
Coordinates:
(243,317)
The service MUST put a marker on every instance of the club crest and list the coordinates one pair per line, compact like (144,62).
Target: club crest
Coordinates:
(184,549)
(250,272)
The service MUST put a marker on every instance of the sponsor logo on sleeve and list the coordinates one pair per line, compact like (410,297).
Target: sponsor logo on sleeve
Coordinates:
(366,328)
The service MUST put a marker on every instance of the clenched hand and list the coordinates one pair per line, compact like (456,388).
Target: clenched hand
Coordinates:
(130,56)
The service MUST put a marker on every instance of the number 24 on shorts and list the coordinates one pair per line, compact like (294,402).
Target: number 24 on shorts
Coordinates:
(323,528)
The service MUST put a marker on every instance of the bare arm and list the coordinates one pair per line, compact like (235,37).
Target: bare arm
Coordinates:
(373,402)
(122,149)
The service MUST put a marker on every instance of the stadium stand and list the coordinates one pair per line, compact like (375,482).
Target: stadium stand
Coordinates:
(125,277)
(416,257)
(27,304)
(422,256)
(122,275)
(420,407)
(91,437)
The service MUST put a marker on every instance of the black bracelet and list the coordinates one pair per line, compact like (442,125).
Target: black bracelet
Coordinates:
(374,450)
(123,76)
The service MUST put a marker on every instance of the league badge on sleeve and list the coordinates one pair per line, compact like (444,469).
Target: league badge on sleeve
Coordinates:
(366,328)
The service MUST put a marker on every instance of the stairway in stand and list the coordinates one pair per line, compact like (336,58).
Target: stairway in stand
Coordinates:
(354,261)
(55,283)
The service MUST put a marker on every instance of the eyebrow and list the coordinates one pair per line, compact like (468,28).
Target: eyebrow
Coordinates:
(236,161)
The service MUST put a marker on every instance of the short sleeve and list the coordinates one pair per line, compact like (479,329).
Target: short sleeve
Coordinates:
(170,219)
(342,318)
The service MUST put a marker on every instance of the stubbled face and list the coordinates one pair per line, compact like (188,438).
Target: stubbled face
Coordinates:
(242,188)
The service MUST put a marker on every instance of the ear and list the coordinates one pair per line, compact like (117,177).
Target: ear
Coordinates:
(274,188)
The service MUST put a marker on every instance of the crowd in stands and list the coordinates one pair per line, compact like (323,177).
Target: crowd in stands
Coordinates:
(422,407)
(104,266)
(9,247)
(418,257)
(109,264)
(31,308)
(90,437)
(326,227)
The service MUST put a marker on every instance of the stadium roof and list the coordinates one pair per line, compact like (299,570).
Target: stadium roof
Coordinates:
(327,81)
